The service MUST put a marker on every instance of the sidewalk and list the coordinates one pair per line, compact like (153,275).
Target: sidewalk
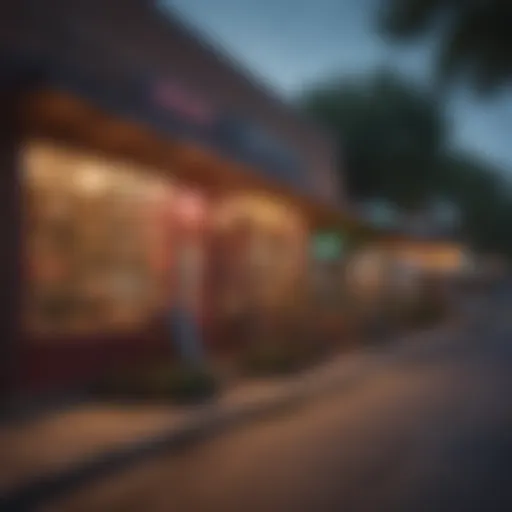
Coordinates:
(48,451)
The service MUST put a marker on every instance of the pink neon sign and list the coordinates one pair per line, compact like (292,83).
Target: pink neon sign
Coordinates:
(170,96)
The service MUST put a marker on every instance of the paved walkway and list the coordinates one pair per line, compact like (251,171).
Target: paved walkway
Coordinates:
(63,440)
(427,432)
(59,439)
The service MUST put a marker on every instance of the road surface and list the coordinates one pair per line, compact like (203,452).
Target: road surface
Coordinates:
(431,431)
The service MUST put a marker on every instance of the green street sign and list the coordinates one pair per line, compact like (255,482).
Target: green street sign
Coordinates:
(327,246)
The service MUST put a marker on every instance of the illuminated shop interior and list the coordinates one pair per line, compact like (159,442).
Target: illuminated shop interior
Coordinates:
(111,245)
(99,241)
(262,242)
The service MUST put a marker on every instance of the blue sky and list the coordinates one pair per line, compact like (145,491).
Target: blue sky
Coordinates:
(293,43)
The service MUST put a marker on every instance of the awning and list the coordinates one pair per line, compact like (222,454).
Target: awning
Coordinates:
(116,115)
(165,105)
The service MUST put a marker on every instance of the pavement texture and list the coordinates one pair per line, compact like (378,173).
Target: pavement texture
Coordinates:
(46,447)
(49,455)
(430,430)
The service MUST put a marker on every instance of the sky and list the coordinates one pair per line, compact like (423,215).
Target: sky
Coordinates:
(291,44)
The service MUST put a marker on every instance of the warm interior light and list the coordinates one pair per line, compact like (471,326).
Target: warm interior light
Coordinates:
(190,206)
(266,212)
(91,180)
(159,190)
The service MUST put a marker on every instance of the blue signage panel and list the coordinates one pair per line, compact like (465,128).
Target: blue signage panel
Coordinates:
(239,136)
(258,147)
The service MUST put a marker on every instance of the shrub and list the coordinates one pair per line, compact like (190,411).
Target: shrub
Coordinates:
(283,357)
(270,359)
(430,307)
(190,385)
(428,311)
(173,382)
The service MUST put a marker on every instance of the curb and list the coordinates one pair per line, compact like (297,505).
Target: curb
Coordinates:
(207,423)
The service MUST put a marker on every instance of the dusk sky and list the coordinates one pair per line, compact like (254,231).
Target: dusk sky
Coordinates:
(293,43)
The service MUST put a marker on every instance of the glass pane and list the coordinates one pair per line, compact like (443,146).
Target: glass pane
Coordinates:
(98,242)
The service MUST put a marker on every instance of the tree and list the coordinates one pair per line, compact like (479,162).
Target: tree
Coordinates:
(484,199)
(475,36)
(475,41)
(391,134)
(393,143)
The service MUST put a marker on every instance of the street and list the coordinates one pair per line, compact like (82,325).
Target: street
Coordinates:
(431,431)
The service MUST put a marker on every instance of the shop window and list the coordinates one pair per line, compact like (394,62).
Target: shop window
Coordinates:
(98,243)
(260,251)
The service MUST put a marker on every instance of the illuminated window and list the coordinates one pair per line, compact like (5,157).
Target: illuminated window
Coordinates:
(266,247)
(98,242)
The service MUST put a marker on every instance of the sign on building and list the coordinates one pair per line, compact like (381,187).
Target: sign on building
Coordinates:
(327,246)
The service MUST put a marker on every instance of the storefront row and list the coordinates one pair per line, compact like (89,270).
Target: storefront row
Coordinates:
(112,249)
(115,255)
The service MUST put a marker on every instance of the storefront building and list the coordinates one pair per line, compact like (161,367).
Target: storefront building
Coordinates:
(129,193)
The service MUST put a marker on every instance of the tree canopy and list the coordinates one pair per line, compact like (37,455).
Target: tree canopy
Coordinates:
(393,140)
(391,135)
(475,36)
(485,200)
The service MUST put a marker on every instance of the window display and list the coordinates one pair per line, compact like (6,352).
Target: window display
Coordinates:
(98,242)
(260,253)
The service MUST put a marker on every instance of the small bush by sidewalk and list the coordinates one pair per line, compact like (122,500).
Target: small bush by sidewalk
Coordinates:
(269,359)
(432,306)
(284,341)
(398,315)
(169,382)
(427,312)
(281,357)
(186,385)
